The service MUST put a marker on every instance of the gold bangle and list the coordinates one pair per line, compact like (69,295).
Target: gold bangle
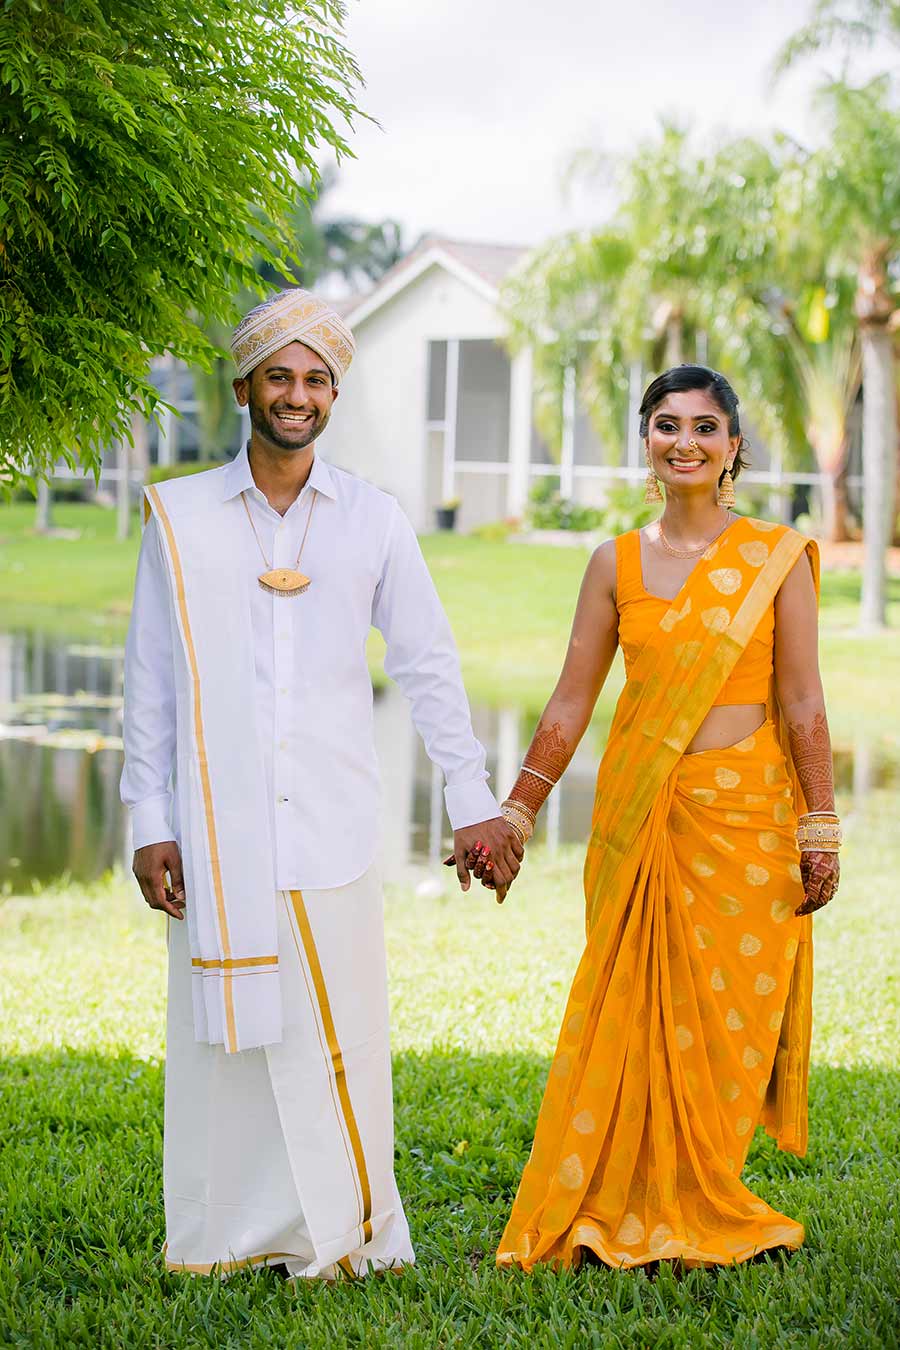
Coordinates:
(521,808)
(824,836)
(520,818)
(521,830)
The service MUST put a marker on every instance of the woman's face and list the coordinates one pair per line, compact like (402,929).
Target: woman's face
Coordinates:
(688,441)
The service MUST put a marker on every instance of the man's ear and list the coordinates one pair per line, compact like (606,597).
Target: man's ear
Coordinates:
(241,389)
(335,390)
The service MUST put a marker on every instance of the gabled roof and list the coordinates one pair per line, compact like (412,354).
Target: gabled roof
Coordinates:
(481,266)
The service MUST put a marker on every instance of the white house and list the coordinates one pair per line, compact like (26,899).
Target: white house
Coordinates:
(433,408)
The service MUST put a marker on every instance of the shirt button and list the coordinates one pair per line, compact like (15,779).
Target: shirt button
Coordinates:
(282,745)
(283,690)
(281,800)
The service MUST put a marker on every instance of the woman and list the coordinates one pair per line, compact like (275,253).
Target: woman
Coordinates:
(688,1022)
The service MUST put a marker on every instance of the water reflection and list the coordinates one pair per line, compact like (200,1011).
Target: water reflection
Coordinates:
(61,756)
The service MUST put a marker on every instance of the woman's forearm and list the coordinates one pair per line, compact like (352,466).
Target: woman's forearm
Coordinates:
(561,727)
(810,742)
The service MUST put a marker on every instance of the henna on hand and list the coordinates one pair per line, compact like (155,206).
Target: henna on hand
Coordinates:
(548,754)
(811,752)
(821,874)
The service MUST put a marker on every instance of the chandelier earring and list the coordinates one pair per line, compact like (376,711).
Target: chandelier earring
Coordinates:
(726,495)
(652,494)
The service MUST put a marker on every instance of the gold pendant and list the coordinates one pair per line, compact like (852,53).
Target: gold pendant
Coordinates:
(284,581)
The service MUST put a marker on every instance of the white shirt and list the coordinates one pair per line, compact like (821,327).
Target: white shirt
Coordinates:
(314,706)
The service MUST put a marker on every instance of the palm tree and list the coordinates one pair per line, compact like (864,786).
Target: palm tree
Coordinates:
(849,25)
(853,196)
(860,186)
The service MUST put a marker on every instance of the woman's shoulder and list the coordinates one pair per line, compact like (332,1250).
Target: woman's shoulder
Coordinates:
(605,556)
(774,529)
(601,568)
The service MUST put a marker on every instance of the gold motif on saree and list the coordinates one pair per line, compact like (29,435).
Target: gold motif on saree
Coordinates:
(726,580)
(754,552)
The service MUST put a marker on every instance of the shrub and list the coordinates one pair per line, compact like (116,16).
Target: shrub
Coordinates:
(160,473)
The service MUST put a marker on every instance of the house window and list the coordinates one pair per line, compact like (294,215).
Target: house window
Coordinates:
(482,431)
(437,381)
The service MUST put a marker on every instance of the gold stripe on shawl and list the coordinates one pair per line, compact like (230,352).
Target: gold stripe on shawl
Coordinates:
(337,1059)
(234,962)
(230,1028)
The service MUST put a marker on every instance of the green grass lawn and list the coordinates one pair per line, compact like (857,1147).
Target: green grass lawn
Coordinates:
(477,993)
(510,605)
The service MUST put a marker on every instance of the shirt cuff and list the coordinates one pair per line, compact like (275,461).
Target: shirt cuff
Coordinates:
(150,821)
(470,803)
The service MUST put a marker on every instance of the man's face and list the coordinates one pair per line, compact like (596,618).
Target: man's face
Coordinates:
(290,396)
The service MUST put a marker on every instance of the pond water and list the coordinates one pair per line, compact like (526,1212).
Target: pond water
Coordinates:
(61,757)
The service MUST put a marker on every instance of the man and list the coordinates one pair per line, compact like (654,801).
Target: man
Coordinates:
(251,778)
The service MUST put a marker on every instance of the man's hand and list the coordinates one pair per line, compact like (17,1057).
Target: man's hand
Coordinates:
(150,867)
(505,853)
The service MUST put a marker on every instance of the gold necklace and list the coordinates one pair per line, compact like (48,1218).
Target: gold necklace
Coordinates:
(689,552)
(283,580)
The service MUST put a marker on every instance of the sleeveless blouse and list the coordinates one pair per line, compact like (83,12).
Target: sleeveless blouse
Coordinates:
(639,612)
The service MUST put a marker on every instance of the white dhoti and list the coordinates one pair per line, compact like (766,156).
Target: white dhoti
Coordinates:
(285,1154)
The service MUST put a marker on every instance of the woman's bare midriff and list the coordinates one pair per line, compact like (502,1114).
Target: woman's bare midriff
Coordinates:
(726,726)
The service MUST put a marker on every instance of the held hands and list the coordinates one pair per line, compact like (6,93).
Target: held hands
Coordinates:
(492,851)
(820,873)
(150,867)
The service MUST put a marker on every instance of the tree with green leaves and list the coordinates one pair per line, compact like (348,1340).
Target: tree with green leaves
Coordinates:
(149,154)
(846,25)
(324,247)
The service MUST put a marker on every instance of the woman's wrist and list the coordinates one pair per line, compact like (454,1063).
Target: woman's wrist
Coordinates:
(819,832)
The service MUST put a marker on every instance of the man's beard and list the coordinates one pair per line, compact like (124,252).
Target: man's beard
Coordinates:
(264,425)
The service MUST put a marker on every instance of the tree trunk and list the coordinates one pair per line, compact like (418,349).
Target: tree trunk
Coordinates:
(140,452)
(874,308)
(123,490)
(675,339)
(834,506)
(43,516)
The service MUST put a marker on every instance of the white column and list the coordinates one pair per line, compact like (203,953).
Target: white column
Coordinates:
(633,455)
(567,449)
(520,404)
(435,815)
(123,488)
(168,452)
(451,403)
(44,512)
(779,504)
(509,756)
(553,813)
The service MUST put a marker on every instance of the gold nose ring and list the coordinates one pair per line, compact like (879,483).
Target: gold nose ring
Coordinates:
(692,445)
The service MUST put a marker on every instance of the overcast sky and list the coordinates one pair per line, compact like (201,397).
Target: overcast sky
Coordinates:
(482,103)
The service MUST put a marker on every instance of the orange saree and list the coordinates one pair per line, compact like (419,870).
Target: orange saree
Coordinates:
(688,1021)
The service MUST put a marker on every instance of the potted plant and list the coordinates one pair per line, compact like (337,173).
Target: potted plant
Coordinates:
(445,514)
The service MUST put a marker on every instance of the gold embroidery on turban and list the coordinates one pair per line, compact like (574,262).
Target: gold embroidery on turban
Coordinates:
(293,316)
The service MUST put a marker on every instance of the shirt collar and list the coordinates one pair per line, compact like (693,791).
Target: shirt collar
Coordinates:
(238,478)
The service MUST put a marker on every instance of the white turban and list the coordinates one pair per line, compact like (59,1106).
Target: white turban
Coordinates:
(293,316)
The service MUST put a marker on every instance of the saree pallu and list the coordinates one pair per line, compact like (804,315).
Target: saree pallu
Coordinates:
(689,1017)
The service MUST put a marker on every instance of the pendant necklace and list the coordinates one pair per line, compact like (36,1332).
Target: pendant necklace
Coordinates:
(283,580)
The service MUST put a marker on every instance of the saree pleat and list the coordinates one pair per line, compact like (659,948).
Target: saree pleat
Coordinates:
(687,1022)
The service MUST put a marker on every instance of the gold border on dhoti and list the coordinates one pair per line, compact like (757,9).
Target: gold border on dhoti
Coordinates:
(337,1059)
